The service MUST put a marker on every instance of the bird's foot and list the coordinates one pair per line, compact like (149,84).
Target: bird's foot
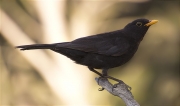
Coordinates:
(128,87)
(119,81)
(115,85)
(109,77)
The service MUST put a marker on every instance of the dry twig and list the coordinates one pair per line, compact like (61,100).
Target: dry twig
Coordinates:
(120,89)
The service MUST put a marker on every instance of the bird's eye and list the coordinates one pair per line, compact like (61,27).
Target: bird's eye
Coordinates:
(139,24)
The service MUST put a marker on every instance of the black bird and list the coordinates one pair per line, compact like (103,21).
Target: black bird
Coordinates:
(102,51)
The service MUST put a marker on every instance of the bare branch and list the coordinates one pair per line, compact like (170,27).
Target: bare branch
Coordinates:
(120,89)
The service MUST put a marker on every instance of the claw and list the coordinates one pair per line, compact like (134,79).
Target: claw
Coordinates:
(115,85)
(129,88)
(101,89)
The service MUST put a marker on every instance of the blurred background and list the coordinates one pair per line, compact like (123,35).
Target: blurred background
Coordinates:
(43,77)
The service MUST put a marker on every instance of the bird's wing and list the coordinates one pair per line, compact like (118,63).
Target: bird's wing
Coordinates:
(110,46)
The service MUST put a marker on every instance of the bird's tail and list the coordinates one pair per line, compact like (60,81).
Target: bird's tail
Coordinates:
(36,46)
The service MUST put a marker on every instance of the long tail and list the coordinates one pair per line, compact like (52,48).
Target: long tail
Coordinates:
(36,46)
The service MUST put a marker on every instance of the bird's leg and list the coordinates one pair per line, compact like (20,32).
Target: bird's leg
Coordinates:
(93,70)
(105,74)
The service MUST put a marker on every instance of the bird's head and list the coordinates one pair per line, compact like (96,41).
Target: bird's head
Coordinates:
(138,28)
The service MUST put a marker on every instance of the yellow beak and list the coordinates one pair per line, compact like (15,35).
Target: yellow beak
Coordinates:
(151,22)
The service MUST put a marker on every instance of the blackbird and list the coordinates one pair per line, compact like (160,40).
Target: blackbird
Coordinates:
(102,51)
